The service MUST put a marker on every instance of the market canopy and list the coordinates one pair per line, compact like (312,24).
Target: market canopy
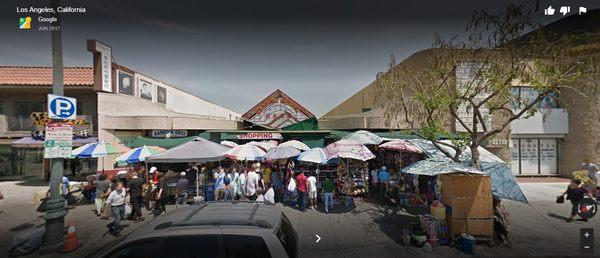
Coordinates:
(314,155)
(364,137)
(167,143)
(280,152)
(196,150)
(246,152)
(434,166)
(138,154)
(94,150)
(30,142)
(504,184)
(401,145)
(309,124)
(347,148)
(295,144)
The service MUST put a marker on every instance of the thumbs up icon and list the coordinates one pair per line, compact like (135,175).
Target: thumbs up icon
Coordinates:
(549,11)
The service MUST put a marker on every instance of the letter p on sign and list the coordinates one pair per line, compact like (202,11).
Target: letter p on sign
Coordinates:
(60,107)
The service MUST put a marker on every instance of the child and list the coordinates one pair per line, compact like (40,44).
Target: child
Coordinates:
(575,193)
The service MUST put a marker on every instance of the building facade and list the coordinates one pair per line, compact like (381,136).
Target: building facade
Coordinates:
(554,141)
(115,104)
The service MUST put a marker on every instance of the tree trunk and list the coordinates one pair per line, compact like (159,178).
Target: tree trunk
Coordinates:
(475,155)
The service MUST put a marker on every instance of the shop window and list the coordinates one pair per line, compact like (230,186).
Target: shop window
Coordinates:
(522,96)
(534,156)
(21,121)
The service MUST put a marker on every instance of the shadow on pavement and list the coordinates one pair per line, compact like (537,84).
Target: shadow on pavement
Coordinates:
(32,182)
(556,216)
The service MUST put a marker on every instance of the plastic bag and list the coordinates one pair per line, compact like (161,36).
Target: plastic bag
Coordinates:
(27,242)
(292,186)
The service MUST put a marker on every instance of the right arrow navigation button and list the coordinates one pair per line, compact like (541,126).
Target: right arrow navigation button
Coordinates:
(318,238)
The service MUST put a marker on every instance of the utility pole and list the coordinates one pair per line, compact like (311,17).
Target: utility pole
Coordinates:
(56,211)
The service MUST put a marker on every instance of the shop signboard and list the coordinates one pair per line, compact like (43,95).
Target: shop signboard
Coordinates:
(102,65)
(59,140)
(168,133)
(259,136)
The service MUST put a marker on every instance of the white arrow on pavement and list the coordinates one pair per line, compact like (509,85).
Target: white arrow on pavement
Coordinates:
(318,238)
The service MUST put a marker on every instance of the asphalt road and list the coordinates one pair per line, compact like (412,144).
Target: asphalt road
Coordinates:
(537,229)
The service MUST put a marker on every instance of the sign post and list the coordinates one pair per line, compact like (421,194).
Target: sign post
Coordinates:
(56,212)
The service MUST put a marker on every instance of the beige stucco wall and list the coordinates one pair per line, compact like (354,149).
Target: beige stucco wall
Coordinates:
(583,139)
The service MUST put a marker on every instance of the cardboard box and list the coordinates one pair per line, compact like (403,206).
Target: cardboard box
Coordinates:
(467,195)
(476,227)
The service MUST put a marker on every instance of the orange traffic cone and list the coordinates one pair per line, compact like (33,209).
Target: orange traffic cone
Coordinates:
(71,243)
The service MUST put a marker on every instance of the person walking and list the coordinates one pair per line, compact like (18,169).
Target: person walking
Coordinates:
(252,183)
(328,191)
(592,169)
(116,200)
(181,190)
(228,193)
(384,180)
(233,179)
(161,196)
(301,180)
(575,193)
(102,192)
(135,187)
(241,186)
(312,191)
(219,183)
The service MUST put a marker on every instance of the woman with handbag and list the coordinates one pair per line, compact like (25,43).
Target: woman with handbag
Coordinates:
(574,193)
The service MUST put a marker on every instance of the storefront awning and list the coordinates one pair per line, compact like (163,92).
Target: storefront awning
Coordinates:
(29,142)
(167,143)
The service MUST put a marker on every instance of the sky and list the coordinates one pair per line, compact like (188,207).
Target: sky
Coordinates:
(236,52)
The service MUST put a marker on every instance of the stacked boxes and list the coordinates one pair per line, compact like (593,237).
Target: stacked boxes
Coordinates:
(469,207)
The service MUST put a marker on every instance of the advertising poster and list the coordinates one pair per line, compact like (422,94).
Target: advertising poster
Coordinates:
(161,94)
(126,85)
(145,87)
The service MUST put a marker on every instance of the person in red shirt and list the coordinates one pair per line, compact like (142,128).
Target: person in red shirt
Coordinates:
(302,183)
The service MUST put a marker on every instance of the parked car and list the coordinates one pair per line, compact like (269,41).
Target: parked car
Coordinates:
(235,229)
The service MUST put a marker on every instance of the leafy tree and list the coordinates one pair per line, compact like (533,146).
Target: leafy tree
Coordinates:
(464,91)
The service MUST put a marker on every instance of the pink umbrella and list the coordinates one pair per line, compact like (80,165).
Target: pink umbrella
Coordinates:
(401,145)
(348,148)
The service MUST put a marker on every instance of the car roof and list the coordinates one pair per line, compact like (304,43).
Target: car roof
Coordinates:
(212,214)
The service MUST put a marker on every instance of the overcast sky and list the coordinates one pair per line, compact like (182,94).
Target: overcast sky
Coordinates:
(236,52)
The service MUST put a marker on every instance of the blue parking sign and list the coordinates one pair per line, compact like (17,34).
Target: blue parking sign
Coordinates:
(60,107)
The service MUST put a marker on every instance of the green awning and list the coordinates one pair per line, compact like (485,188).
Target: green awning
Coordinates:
(310,124)
(167,143)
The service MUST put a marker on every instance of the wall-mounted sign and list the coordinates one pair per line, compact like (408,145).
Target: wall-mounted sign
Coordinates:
(102,65)
(168,133)
(59,140)
(125,83)
(146,89)
(161,94)
(60,107)
(259,136)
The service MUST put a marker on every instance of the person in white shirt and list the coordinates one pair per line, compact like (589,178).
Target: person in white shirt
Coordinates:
(241,186)
(252,183)
(116,200)
(312,191)
(269,196)
(233,178)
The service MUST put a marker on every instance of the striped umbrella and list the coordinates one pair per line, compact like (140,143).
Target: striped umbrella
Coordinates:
(94,150)
(138,154)
(401,145)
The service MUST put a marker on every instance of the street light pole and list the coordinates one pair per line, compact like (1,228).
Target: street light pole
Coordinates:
(56,212)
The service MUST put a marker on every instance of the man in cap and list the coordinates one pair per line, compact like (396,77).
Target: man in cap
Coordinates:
(384,180)
(181,190)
